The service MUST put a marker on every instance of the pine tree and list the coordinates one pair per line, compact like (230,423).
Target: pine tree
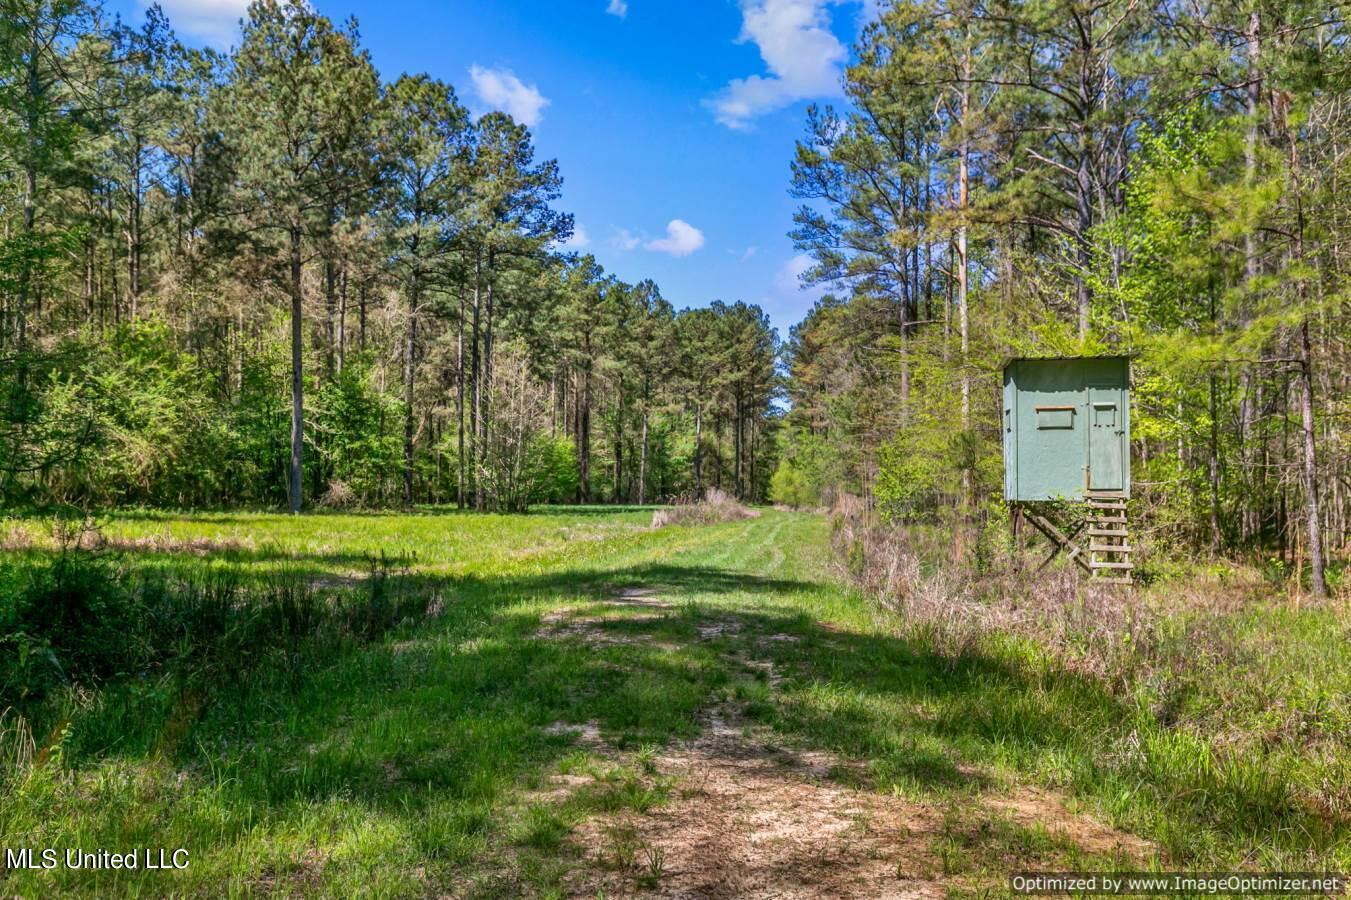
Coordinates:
(293,114)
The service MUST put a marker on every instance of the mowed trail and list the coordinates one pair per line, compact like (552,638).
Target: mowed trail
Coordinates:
(754,812)
(589,706)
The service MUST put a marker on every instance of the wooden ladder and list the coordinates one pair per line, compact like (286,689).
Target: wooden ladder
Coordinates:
(1109,546)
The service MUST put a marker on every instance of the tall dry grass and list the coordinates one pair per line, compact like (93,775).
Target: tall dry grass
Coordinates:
(1117,634)
(16,747)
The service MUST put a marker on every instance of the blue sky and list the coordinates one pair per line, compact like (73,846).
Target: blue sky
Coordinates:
(673,122)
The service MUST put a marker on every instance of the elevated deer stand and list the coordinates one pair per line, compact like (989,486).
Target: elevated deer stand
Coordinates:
(1067,438)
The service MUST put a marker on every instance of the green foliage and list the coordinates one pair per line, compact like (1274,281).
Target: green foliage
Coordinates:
(47,417)
(260,415)
(914,477)
(357,431)
(70,620)
(553,463)
(155,431)
(790,486)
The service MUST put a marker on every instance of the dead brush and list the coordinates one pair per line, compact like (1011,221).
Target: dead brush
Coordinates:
(163,543)
(15,536)
(1114,636)
(339,496)
(716,506)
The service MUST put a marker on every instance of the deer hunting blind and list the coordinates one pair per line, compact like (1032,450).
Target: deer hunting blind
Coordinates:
(1067,438)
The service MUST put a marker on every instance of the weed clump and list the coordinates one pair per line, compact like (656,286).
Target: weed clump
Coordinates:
(80,620)
(716,506)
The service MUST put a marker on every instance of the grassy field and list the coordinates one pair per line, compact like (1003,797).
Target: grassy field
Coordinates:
(538,722)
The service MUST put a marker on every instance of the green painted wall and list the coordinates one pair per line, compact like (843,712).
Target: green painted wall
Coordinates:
(1066,427)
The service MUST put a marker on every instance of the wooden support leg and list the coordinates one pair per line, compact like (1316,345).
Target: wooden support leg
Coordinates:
(1060,540)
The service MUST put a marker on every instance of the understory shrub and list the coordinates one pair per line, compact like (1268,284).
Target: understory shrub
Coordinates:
(789,486)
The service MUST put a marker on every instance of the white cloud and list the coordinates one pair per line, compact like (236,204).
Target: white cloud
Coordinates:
(212,21)
(579,240)
(681,239)
(788,299)
(500,89)
(803,56)
(618,8)
(623,239)
(789,278)
(871,12)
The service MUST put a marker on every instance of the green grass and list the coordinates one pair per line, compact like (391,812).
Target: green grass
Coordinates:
(405,766)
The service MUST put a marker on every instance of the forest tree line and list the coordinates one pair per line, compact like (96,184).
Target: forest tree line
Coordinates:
(1047,177)
(271,277)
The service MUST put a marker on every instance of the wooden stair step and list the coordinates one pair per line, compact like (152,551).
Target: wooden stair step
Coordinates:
(1107,504)
(1106,580)
(1104,532)
(1110,548)
(1097,564)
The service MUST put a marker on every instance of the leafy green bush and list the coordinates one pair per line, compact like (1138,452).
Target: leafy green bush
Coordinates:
(914,480)
(359,434)
(154,433)
(789,486)
(553,463)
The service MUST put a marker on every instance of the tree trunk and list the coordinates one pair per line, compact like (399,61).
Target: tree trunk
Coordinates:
(642,463)
(584,428)
(619,444)
(1083,251)
(1306,401)
(342,319)
(134,235)
(1214,466)
(963,269)
(459,403)
(485,398)
(738,449)
(699,449)
(717,452)
(1252,265)
(476,410)
(1083,182)
(30,181)
(963,197)
(1313,522)
(750,460)
(409,372)
(297,382)
(903,350)
(361,317)
(330,316)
